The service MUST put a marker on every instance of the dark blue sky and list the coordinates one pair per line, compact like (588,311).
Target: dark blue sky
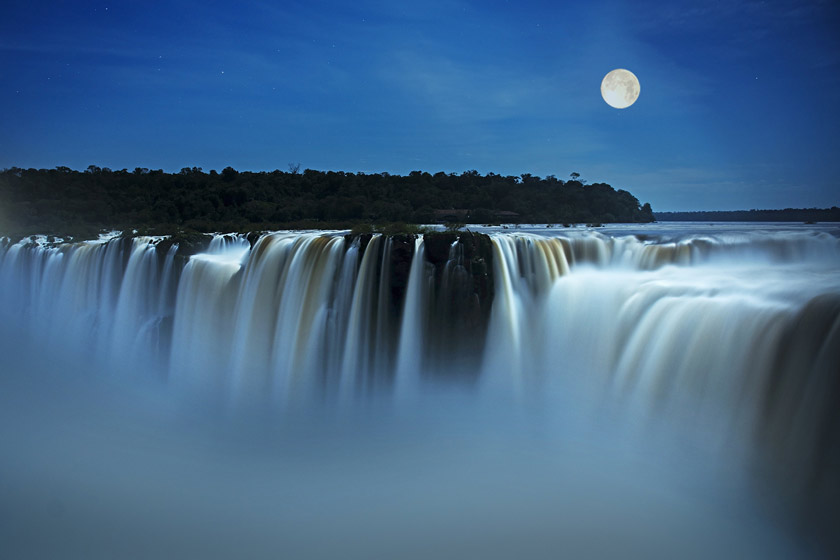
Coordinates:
(739,107)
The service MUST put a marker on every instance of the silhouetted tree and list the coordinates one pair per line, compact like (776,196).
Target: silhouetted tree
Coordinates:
(229,174)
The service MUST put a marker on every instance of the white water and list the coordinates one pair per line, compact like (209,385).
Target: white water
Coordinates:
(634,394)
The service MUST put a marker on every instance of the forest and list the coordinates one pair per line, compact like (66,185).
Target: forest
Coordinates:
(63,201)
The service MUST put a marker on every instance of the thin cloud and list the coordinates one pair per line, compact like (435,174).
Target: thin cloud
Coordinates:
(461,92)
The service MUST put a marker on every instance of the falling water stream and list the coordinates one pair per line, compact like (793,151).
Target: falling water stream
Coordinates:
(665,391)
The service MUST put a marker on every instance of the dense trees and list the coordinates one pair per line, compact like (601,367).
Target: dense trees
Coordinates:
(63,200)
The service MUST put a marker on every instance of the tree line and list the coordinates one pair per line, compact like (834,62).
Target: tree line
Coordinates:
(64,200)
(786,215)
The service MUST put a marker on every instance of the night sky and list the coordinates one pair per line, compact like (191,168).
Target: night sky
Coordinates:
(739,105)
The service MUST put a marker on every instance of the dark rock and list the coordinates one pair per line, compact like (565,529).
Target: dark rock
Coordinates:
(253,236)
(363,239)
(189,243)
(402,252)
(462,297)
(438,244)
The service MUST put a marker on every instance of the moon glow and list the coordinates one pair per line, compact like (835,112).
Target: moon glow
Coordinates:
(620,88)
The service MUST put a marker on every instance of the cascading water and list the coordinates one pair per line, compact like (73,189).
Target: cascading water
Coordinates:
(729,338)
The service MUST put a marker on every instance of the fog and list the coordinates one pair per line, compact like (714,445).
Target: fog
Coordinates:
(96,466)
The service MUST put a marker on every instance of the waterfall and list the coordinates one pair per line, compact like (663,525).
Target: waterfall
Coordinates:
(729,338)
(303,312)
(413,326)
(702,322)
(313,312)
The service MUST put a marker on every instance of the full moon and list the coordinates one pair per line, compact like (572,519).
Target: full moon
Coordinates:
(620,88)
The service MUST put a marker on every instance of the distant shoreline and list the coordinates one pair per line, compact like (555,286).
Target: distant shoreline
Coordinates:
(786,215)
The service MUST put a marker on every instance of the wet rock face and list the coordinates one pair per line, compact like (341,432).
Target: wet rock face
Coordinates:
(459,295)
(253,237)
(461,299)
(188,244)
(438,246)
(363,239)
(402,252)
(467,256)
(462,286)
